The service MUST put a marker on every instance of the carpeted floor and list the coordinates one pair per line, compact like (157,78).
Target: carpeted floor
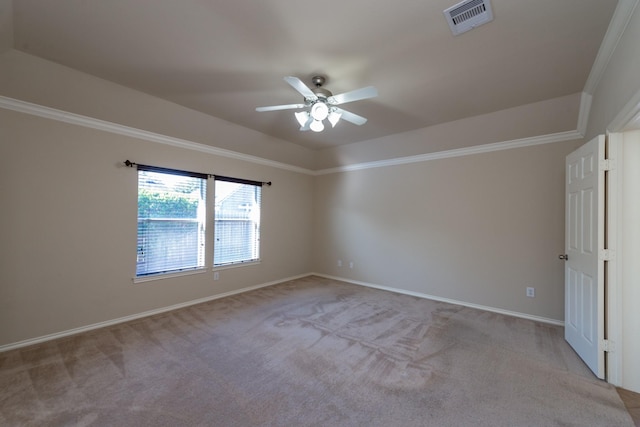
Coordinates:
(310,352)
(631,401)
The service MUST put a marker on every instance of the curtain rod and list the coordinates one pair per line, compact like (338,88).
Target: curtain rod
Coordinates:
(194,174)
(240,180)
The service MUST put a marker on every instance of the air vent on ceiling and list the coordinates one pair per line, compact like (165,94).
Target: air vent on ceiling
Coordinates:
(467,15)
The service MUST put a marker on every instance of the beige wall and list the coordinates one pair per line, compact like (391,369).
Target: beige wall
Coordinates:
(69,231)
(477,228)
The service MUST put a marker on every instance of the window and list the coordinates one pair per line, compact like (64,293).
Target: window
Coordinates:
(237,221)
(173,212)
(171,221)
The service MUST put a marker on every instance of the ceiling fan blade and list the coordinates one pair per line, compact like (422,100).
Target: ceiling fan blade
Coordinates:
(280,107)
(304,90)
(351,117)
(354,95)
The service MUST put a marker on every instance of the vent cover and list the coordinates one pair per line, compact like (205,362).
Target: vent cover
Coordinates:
(467,15)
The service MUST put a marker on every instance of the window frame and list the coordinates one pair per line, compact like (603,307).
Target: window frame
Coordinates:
(200,218)
(209,223)
(256,232)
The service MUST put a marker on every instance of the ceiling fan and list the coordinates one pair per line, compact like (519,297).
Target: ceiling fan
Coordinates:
(321,104)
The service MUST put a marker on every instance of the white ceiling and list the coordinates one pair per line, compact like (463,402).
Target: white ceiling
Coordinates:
(226,57)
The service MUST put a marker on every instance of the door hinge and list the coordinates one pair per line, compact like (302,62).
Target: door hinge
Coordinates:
(606,254)
(606,345)
(607,164)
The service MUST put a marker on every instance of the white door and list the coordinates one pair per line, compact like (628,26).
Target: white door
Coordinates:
(584,270)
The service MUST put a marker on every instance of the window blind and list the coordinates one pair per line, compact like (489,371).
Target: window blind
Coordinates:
(237,221)
(171,221)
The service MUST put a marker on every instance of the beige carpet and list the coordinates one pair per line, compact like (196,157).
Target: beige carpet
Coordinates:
(311,352)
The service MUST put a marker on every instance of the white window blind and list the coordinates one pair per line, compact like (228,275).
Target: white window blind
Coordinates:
(171,221)
(237,222)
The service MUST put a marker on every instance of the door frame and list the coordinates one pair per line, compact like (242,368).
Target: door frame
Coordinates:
(613,283)
(628,118)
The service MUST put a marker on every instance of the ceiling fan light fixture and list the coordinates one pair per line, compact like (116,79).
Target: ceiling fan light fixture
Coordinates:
(316,126)
(334,118)
(319,111)
(302,117)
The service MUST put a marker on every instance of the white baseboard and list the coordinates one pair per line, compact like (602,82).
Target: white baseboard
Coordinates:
(104,324)
(447,300)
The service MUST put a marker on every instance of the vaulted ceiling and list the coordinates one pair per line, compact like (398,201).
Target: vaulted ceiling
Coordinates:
(227,57)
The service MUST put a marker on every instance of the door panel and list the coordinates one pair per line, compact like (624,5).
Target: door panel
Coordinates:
(584,271)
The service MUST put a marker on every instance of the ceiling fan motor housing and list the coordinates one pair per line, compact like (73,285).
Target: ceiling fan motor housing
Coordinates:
(318,90)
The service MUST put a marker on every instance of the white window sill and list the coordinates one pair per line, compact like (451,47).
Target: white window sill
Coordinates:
(239,264)
(161,276)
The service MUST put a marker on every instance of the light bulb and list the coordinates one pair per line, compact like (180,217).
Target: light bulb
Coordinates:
(302,117)
(317,126)
(319,111)
(334,117)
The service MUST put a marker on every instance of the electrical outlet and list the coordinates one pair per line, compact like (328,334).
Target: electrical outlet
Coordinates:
(531,292)
(216,275)
(339,263)
(351,264)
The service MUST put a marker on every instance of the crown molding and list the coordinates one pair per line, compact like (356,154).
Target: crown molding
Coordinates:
(583,115)
(617,25)
(628,116)
(90,122)
(93,123)
(478,149)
